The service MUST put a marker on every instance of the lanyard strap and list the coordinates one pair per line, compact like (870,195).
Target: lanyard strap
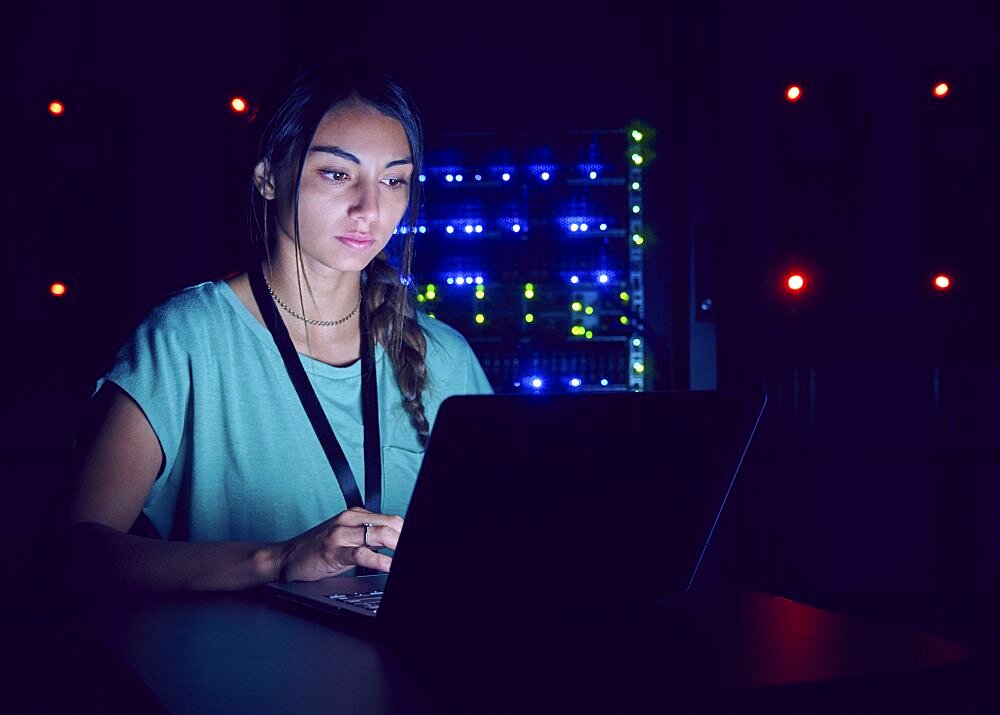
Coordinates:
(307,396)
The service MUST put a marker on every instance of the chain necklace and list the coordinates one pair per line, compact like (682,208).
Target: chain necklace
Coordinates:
(322,323)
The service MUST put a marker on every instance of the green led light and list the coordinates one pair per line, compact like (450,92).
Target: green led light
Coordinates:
(635,186)
(420,298)
(637,342)
(637,239)
(637,135)
(431,287)
(637,159)
(431,295)
(638,367)
(529,294)
(635,209)
(480,294)
(577,306)
(431,315)
(529,286)
(578,330)
(589,310)
(623,320)
(589,334)
(623,295)
(529,318)
(480,318)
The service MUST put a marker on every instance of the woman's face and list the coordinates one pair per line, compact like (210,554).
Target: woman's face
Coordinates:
(354,188)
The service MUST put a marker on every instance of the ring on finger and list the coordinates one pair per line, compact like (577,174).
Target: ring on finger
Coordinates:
(367,526)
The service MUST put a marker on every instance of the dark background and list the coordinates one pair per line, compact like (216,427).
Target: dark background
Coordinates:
(876,468)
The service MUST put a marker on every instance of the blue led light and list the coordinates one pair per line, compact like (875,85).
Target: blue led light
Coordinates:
(460,281)
(545,176)
(603,278)
(574,227)
(604,227)
(469,229)
(593,175)
(604,383)
(479,177)
(402,229)
(575,382)
(505,177)
(574,279)
(421,178)
(449,229)
(395,231)
(449,177)
(451,281)
(516,228)
(479,228)
(458,177)
(423,229)
(468,279)
(479,280)
(583,227)
(536,382)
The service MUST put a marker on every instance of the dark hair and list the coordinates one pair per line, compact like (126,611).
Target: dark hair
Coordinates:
(388,304)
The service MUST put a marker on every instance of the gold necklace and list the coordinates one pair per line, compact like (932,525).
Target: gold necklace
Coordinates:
(322,323)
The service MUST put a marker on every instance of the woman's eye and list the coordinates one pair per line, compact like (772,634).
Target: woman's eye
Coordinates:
(395,183)
(334,175)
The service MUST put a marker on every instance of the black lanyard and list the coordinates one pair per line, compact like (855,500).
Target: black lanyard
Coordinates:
(369,402)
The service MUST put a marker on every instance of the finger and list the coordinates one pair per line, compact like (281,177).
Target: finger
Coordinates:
(371,559)
(379,536)
(357,518)
(359,509)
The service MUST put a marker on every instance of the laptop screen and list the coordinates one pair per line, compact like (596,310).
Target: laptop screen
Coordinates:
(528,500)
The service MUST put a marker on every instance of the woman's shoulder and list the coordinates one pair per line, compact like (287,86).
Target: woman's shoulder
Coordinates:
(442,338)
(193,309)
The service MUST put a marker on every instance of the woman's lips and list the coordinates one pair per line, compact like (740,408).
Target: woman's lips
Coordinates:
(356,241)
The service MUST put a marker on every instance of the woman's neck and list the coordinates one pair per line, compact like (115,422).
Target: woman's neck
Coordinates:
(318,292)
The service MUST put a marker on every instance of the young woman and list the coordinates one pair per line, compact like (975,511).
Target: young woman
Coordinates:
(208,433)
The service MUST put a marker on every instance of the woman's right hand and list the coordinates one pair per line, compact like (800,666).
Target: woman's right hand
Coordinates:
(338,544)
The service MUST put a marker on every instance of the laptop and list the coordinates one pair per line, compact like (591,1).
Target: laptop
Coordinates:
(532,507)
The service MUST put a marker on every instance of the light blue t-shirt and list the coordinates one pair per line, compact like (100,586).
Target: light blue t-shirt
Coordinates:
(242,461)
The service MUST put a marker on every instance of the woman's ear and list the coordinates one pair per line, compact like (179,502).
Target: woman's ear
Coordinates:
(264,181)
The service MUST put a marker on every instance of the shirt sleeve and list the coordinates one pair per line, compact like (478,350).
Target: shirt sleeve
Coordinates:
(153,368)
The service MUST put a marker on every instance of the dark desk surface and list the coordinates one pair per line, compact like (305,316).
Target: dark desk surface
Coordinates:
(737,651)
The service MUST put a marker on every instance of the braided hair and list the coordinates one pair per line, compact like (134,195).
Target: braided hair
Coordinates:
(388,305)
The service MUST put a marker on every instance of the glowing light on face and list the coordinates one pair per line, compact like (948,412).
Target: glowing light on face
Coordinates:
(56,108)
(942,282)
(58,289)
(941,89)
(238,105)
(793,93)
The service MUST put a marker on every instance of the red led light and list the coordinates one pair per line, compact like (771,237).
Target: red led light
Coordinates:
(796,282)
(58,289)
(56,108)
(941,89)
(238,105)
(942,282)
(793,93)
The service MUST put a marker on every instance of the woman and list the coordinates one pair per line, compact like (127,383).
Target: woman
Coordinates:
(208,431)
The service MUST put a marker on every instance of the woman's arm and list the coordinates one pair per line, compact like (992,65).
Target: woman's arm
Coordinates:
(115,478)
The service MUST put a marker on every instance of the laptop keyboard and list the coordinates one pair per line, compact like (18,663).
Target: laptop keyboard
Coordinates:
(368,601)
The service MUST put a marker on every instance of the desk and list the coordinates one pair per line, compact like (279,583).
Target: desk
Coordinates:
(737,652)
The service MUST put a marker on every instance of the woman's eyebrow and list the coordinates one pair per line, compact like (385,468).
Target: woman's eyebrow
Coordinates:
(343,154)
